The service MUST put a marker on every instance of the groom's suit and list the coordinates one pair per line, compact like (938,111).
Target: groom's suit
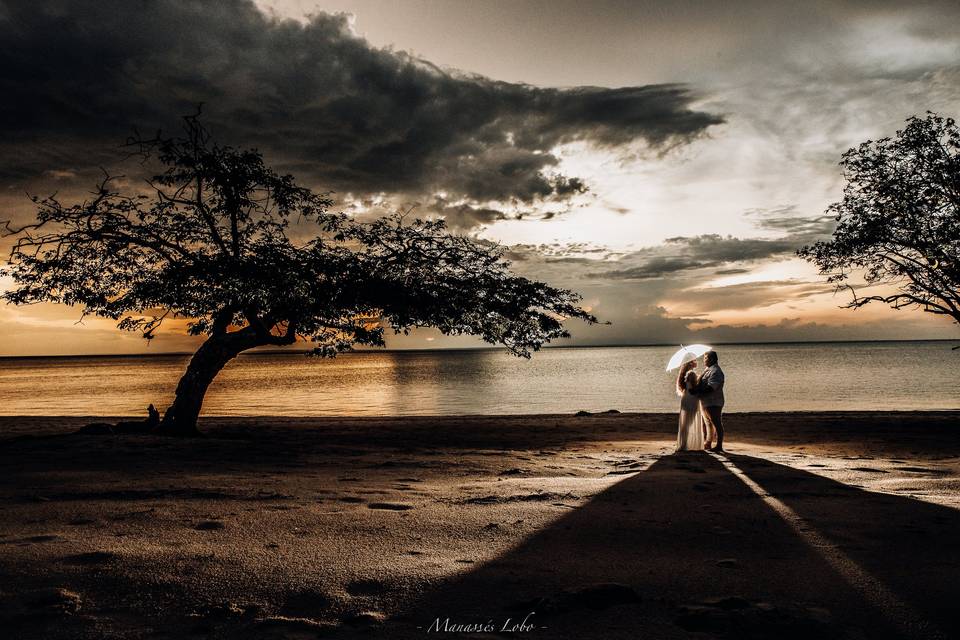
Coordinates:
(710,387)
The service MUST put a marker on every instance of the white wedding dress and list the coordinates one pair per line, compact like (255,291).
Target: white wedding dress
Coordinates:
(691,435)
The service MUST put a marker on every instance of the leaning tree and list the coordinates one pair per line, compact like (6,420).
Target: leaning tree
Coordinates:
(899,221)
(213,238)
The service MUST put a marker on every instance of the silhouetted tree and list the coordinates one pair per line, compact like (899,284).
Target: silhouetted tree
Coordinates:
(899,220)
(212,241)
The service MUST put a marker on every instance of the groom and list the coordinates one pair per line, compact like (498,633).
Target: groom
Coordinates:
(710,391)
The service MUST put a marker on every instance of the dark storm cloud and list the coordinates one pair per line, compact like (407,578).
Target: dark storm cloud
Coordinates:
(464,217)
(324,103)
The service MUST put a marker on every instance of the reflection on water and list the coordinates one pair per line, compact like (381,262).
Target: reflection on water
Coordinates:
(815,376)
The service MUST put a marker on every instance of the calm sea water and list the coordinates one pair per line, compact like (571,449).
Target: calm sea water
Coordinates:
(815,376)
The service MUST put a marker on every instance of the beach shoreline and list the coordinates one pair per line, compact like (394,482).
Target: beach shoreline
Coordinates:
(344,527)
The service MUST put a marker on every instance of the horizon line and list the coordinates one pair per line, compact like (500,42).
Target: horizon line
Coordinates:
(265,352)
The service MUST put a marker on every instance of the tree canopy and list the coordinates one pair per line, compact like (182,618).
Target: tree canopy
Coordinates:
(213,237)
(899,220)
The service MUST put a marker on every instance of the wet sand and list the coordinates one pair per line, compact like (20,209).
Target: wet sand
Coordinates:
(827,525)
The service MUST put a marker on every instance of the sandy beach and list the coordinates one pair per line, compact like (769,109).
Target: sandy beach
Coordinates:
(815,525)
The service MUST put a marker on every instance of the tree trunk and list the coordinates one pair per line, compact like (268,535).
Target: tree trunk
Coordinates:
(181,416)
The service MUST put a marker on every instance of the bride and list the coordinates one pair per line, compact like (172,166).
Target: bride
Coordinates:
(692,432)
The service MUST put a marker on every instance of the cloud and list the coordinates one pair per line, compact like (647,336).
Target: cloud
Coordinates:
(731,272)
(463,217)
(319,100)
(753,295)
(639,322)
(654,267)
(47,329)
(60,174)
(682,254)
(713,251)
(786,220)
(798,330)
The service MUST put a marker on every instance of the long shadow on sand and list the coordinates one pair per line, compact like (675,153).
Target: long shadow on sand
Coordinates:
(686,546)
(909,546)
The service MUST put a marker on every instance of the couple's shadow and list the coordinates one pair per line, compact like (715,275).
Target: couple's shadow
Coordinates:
(686,546)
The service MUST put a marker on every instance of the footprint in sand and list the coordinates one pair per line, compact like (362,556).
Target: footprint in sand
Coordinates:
(366,587)
(307,603)
(92,558)
(390,506)
(47,537)
(209,525)
(938,472)
(76,522)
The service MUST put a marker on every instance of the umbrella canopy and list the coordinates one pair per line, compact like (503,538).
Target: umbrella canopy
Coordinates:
(686,354)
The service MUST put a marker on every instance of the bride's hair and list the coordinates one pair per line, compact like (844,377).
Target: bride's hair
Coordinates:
(686,380)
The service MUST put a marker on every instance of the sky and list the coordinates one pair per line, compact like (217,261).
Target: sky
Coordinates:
(663,159)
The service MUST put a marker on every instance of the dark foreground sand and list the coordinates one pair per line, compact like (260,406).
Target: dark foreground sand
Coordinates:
(815,526)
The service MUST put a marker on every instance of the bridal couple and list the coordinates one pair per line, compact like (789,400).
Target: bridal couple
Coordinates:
(701,405)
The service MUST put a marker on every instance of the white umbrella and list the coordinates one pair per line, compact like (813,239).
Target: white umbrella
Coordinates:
(686,354)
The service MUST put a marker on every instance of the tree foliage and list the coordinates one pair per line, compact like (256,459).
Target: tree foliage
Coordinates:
(214,238)
(899,220)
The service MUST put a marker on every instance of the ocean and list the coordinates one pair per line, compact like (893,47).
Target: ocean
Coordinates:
(760,377)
